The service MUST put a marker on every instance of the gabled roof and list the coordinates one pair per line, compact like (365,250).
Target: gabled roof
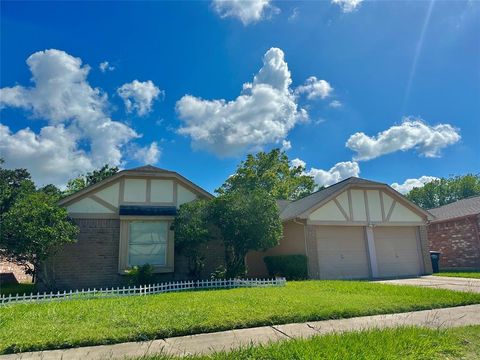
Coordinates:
(299,207)
(147,170)
(458,209)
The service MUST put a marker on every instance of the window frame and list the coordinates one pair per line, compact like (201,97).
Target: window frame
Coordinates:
(123,258)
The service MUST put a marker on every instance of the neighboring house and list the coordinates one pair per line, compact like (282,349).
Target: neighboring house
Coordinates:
(355,229)
(12,273)
(125,220)
(455,233)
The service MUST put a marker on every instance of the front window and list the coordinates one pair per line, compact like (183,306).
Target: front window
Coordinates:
(147,243)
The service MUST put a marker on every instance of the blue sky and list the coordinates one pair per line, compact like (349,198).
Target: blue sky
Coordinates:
(386,90)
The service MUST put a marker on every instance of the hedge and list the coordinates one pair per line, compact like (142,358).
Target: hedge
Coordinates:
(293,267)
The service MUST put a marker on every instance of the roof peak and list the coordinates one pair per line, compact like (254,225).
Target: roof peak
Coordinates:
(148,167)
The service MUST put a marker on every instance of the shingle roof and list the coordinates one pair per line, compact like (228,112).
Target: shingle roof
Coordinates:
(297,207)
(460,208)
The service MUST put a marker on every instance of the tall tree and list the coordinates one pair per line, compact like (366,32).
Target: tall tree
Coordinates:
(90,178)
(246,221)
(272,172)
(192,229)
(33,229)
(445,190)
(13,184)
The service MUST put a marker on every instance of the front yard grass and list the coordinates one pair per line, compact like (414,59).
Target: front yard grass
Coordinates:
(26,327)
(471,274)
(401,343)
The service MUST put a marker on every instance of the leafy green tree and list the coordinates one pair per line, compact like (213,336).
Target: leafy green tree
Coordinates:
(445,190)
(192,229)
(13,184)
(246,221)
(52,191)
(271,172)
(90,178)
(33,229)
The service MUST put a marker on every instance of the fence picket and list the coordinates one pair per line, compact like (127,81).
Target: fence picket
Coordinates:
(142,289)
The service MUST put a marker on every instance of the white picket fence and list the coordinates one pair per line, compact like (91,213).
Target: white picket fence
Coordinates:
(142,290)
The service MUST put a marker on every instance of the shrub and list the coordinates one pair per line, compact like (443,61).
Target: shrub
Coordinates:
(293,267)
(141,275)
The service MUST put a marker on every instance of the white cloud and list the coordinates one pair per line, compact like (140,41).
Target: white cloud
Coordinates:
(409,184)
(335,104)
(315,88)
(139,96)
(80,134)
(286,145)
(294,15)
(347,5)
(340,171)
(247,11)
(264,113)
(411,134)
(105,66)
(51,156)
(148,154)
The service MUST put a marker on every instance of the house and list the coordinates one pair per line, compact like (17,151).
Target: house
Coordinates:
(125,220)
(455,233)
(355,229)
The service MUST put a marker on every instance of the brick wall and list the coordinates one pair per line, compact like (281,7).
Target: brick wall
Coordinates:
(458,241)
(12,273)
(93,260)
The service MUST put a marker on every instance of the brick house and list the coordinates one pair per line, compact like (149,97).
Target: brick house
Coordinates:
(12,273)
(455,233)
(125,220)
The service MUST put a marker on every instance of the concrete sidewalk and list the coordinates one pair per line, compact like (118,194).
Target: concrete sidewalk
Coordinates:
(232,339)
(439,282)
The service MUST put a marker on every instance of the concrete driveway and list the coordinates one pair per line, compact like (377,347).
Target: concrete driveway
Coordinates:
(440,282)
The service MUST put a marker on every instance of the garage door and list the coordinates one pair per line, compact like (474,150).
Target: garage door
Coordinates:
(342,252)
(397,251)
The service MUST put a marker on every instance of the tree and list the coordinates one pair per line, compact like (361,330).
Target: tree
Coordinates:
(192,229)
(445,190)
(13,184)
(52,191)
(90,178)
(271,172)
(33,229)
(246,221)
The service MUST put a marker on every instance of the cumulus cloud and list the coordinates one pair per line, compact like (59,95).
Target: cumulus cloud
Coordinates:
(315,88)
(105,66)
(147,154)
(409,184)
(286,145)
(347,5)
(411,134)
(264,113)
(247,11)
(340,171)
(80,134)
(139,96)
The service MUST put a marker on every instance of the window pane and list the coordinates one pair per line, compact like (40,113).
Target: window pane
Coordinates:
(148,243)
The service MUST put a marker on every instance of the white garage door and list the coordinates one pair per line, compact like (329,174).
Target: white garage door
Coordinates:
(397,251)
(342,252)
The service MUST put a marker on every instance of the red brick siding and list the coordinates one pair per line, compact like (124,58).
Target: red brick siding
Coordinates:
(93,260)
(458,241)
(12,273)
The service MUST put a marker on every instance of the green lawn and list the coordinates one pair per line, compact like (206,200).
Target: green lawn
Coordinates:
(473,274)
(411,343)
(102,321)
(25,288)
